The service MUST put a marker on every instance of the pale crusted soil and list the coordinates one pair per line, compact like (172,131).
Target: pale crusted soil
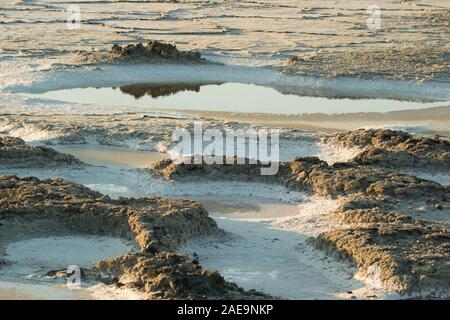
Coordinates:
(330,38)
(410,46)
(31,207)
(407,62)
(143,130)
(377,227)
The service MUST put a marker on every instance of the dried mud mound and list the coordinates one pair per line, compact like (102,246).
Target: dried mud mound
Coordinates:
(170,170)
(378,226)
(30,207)
(396,149)
(166,275)
(407,258)
(311,174)
(15,153)
(152,52)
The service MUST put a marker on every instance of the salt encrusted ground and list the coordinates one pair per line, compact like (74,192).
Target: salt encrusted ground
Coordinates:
(390,228)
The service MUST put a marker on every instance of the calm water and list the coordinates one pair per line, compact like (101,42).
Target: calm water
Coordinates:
(228,97)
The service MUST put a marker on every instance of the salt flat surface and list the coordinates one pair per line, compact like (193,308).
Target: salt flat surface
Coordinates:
(248,31)
(270,224)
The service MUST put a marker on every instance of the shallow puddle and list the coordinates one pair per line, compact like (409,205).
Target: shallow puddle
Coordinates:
(25,276)
(60,252)
(228,97)
(110,156)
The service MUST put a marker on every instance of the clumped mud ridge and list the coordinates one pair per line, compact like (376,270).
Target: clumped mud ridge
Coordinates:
(396,149)
(394,227)
(152,52)
(31,207)
(15,153)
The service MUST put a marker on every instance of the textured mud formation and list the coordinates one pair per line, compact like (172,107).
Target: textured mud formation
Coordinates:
(396,149)
(394,227)
(30,208)
(165,275)
(152,52)
(173,170)
(311,174)
(15,153)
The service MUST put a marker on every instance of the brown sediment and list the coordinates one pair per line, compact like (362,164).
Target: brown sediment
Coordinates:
(409,258)
(309,174)
(379,226)
(30,207)
(165,275)
(152,52)
(396,149)
(15,153)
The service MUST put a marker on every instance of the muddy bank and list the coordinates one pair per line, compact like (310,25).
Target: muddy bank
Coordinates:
(166,275)
(31,208)
(408,258)
(383,212)
(15,153)
(310,174)
(397,149)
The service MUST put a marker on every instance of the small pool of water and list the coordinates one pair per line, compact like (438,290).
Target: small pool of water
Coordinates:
(111,156)
(227,97)
(29,261)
